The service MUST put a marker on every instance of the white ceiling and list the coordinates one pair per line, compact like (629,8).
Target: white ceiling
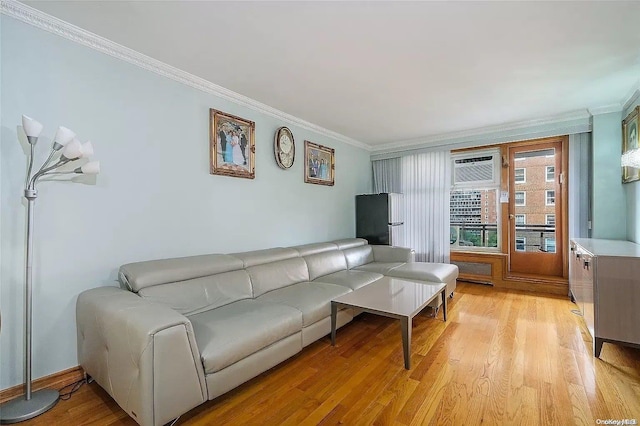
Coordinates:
(384,72)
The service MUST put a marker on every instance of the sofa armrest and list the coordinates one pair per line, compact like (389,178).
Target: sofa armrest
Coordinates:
(142,353)
(392,254)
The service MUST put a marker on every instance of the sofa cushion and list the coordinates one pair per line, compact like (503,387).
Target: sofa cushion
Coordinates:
(136,276)
(379,267)
(392,254)
(307,249)
(232,332)
(276,275)
(259,257)
(350,243)
(325,263)
(435,272)
(200,294)
(357,256)
(352,278)
(312,299)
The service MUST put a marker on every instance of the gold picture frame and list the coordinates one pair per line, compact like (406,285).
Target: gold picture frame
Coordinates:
(319,164)
(231,145)
(630,140)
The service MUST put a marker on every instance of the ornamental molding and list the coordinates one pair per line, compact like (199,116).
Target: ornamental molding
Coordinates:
(44,21)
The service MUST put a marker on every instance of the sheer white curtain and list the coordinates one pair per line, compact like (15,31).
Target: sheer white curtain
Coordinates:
(425,181)
(387,175)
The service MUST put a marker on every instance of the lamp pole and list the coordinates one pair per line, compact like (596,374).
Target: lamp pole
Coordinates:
(32,404)
(28,300)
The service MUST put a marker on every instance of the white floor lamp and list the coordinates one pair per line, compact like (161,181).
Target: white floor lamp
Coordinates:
(32,404)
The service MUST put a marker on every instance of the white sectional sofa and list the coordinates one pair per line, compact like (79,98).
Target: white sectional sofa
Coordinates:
(185,330)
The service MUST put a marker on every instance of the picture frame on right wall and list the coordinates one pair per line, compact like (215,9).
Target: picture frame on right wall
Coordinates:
(319,164)
(630,140)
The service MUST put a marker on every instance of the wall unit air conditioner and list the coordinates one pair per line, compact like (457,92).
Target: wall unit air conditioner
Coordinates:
(476,169)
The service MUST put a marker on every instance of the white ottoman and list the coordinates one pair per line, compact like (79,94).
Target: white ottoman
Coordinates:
(432,272)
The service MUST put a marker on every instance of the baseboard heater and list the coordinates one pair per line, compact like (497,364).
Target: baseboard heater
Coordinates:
(475,272)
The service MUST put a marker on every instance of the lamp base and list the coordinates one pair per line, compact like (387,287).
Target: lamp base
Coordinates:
(19,409)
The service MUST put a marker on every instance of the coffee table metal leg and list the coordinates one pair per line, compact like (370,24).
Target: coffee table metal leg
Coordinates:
(405,324)
(334,314)
(444,303)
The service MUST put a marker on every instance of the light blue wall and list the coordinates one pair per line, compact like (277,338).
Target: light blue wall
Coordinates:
(632,191)
(609,200)
(154,198)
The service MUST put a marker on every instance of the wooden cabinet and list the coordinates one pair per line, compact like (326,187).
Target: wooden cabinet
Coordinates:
(604,281)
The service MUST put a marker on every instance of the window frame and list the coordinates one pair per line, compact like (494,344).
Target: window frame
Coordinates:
(524,175)
(546,219)
(524,243)
(546,174)
(489,190)
(524,219)
(546,197)
(524,198)
(546,245)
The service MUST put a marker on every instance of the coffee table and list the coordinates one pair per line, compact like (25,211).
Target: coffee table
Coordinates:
(393,298)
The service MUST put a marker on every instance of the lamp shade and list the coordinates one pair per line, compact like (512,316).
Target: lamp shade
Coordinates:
(91,168)
(64,136)
(87,150)
(31,127)
(72,150)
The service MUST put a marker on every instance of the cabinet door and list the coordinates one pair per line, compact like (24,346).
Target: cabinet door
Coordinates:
(576,277)
(572,271)
(618,299)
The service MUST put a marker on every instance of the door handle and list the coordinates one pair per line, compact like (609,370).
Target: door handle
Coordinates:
(512,216)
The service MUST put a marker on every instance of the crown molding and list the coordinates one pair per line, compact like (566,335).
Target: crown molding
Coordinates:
(625,103)
(568,123)
(605,109)
(632,98)
(44,21)
(578,126)
(553,125)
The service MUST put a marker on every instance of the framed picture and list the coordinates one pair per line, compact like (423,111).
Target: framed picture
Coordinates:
(232,145)
(629,142)
(319,164)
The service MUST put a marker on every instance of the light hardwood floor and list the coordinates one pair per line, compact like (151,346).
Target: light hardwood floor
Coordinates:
(503,357)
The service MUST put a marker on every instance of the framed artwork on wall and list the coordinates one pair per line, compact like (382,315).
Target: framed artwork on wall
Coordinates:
(232,145)
(630,140)
(319,164)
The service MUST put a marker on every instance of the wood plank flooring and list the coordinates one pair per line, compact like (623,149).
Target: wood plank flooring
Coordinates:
(503,357)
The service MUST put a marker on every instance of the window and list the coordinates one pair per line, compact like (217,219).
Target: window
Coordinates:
(470,227)
(476,186)
(521,219)
(550,219)
(550,245)
(521,175)
(550,198)
(521,198)
(521,243)
(551,174)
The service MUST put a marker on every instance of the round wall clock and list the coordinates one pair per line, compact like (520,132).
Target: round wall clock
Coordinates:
(284,148)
